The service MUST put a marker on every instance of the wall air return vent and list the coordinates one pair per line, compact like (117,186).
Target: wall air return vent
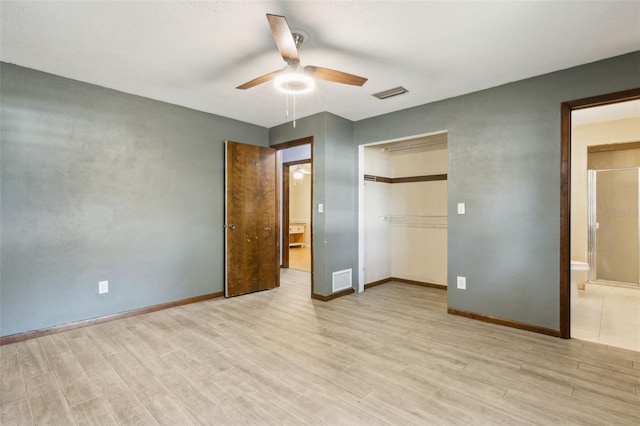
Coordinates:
(391,93)
(341,280)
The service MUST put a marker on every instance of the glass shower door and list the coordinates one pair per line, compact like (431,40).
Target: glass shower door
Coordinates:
(614,246)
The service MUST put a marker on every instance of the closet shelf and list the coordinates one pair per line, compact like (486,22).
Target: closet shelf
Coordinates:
(408,216)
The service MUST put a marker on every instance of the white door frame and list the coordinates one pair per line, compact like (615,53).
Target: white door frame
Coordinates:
(361,248)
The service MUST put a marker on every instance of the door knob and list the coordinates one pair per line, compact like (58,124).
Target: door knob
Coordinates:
(232,226)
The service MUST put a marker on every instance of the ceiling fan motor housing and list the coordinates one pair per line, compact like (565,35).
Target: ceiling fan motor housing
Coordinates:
(295,79)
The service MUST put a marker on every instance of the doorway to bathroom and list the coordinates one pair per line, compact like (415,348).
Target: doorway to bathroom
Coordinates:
(601,304)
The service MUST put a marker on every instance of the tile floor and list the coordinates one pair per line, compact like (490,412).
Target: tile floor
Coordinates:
(606,314)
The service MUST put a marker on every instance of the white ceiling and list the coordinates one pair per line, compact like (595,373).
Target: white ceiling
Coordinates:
(600,114)
(195,53)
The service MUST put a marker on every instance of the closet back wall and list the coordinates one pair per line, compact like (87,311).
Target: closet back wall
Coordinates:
(405,223)
(418,248)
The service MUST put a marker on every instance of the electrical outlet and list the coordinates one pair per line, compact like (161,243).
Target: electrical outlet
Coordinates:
(103,287)
(461,208)
(462,283)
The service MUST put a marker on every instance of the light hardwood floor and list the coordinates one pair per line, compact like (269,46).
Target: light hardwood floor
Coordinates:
(300,258)
(391,355)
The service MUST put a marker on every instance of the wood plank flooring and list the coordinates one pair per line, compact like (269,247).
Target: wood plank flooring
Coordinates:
(388,356)
(300,258)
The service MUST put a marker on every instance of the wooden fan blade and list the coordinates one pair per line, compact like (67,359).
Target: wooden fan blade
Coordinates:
(284,39)
(259,80)
(335,76)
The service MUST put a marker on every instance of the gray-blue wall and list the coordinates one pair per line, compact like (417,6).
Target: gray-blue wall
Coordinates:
(335,185)
(504,163)
(101,185)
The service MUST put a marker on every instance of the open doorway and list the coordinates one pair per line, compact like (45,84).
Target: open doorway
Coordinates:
(296,225)
(605,231)
(297,179)
(568,210)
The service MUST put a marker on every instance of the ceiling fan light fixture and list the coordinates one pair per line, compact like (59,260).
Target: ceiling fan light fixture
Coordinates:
(298,174)
(295,79)
(294,83)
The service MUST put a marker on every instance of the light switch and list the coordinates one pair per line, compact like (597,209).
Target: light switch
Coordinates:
(462,283)
(320,208)
(461,208)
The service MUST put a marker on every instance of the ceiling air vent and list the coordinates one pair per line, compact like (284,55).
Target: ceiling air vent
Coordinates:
(391,93)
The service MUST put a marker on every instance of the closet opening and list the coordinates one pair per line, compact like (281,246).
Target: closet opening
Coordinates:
(403,211)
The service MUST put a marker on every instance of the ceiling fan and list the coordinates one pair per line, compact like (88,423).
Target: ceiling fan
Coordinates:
(299,172)
(294,78)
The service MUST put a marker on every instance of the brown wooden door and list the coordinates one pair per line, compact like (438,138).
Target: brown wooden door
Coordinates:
(252,247)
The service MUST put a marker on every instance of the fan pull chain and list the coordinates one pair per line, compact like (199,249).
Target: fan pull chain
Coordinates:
(286,111)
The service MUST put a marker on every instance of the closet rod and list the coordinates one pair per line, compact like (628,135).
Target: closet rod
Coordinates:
(414,145)
(407,216)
